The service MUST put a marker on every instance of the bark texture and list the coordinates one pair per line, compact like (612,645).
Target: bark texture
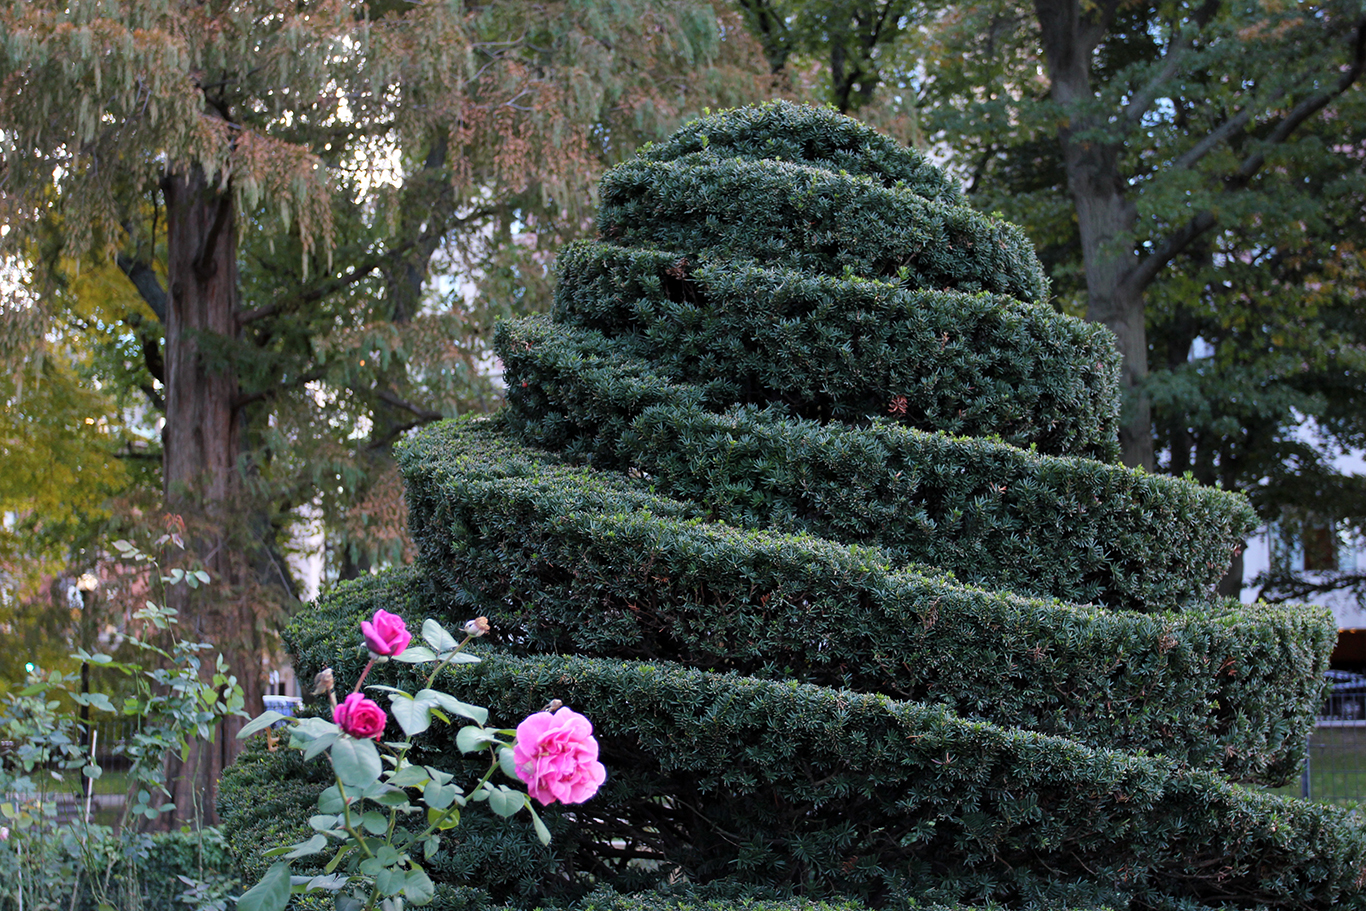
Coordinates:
(201,441)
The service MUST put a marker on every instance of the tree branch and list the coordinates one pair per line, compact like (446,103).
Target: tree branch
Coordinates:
(1146,270)
(357,272)
(391,398)
(144,279)
(243,401)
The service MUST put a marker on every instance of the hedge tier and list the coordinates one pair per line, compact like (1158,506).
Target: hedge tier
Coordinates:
(991,513)
(814,137)
(563,562)
(813,220)
(831,348)
(719,776)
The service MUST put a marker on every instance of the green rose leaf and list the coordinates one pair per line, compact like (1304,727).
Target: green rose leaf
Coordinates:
(390,797)
(439,796)
(356,762)
(507,761)
(506,802)
(437,637)
(472,738)
(259,723)
(413,715)
(475,713)
(330,800)
(441,820)
(390,881)
(416,654)
(410,776)
(313,846)
(419,889)
(375,822)
(542,832)
(270,894)
(318,745)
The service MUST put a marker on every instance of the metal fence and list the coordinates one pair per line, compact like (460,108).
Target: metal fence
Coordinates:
(1335,767)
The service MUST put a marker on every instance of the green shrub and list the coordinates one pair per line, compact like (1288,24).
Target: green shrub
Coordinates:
(991,513)
(838,716)
(566,561)
(776,213)
(814,137)
(816,788)
(832,349)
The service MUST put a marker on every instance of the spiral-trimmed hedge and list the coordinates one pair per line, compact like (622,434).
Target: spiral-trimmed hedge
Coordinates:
(812,219)
(991,513)
(752,562)
(793,785)
(812,137)
(577,562)
(833,349)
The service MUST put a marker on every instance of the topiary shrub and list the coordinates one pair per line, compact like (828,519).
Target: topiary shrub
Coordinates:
(808,499)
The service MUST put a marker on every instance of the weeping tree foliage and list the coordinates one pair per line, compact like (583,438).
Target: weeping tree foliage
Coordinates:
(277,181)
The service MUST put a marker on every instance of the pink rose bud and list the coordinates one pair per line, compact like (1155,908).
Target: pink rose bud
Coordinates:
(557,757)
(385,634)
(360,717)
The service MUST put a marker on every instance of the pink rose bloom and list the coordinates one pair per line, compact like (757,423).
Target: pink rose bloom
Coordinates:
(360,717)
(385,633)
(557,757)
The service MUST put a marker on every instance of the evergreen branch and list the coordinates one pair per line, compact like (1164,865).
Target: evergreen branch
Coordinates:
(358,272)
(242,401)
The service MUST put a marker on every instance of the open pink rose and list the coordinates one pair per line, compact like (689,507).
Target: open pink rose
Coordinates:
(360,717)
(557,757)
(385,633)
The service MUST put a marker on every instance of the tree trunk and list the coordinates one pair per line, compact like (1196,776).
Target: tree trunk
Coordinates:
(1105,215)
(200,472)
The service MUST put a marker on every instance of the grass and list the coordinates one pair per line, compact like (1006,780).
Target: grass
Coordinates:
(1337,767)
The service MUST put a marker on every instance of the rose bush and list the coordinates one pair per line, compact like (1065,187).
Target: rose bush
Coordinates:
(557,757)
(386,634)
(378,839)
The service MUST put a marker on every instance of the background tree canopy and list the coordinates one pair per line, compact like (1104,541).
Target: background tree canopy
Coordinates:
(261,192)
(1192,175)
(257,242)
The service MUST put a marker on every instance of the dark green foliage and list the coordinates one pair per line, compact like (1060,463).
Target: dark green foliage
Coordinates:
(813,137)
(832,349)
(993,514)
(808,787)
(566,561)
(840,715)
(776,213)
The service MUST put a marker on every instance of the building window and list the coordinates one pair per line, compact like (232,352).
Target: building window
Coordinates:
(1311,544)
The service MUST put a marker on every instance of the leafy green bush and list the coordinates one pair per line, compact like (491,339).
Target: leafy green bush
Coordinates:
(813,137)
(992,513)
(813,219)
(831,789)
(764,573)
(831,349)
(566,561)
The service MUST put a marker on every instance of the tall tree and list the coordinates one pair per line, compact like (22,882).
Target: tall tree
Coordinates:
(1169,125)
(274,178)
